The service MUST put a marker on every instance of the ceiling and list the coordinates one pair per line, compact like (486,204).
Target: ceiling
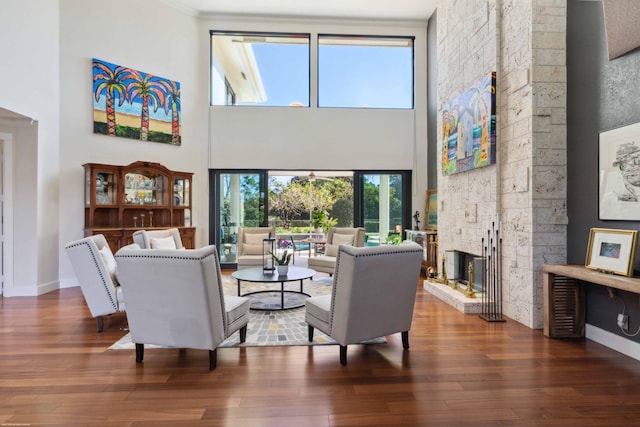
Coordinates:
(351,9)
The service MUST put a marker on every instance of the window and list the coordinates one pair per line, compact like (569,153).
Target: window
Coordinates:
(266,69)
(365,71)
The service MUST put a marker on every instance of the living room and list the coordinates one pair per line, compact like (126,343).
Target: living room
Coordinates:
(50,46)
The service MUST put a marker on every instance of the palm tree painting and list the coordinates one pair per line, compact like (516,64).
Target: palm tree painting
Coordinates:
(132,104)
(469,128)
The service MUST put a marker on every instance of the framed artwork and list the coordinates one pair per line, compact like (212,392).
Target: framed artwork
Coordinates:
(619,173)
(431,210)
(132,104)
(612,251)
(469,128)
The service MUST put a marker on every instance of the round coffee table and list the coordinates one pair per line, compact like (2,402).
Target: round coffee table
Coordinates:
(257,275)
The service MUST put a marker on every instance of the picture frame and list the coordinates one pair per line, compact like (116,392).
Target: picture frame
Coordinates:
(431,210)
(612,250)
(619,174)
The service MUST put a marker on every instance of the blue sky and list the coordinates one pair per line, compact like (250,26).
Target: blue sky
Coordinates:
(351,76)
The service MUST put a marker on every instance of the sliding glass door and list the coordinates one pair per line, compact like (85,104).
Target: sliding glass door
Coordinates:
(238,200)
(384,205)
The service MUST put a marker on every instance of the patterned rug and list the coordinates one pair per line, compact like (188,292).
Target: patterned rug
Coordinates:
(270,328)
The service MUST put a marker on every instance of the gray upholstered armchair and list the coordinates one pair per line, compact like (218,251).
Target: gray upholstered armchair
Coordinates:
(250,245)
(336,236)
(175,299)
(374,291)
(95,268)
(158,239)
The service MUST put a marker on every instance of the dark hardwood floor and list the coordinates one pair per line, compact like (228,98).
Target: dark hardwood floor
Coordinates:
(55,369)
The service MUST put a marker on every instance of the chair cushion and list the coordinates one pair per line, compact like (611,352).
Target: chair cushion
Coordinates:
(109,262)
(163,243)
(319,307)
(252,249)
(323,261)
(342,239)
(255,239)
(331,250)
(236,307)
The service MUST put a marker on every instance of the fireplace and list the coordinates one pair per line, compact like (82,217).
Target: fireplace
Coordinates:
(457,267)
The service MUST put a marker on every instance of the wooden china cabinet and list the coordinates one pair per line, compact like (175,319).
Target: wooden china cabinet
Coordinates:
(122,199)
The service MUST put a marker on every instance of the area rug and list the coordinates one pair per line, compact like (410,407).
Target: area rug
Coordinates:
(269,328)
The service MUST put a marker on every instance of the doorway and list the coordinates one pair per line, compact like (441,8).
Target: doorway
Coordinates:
(6,218)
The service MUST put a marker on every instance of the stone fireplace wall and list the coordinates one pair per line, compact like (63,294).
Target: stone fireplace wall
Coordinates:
(524,194)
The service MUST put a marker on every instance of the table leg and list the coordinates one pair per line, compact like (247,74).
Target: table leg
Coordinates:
(238,287)
(282,295)
(301,285)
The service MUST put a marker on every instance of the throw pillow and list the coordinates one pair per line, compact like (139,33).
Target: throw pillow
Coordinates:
(255,239)
(163,243)
(331,250)
(342,239)
(248,249)
(109,262)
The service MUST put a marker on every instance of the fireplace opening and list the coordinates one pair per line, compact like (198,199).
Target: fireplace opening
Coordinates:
(458,267)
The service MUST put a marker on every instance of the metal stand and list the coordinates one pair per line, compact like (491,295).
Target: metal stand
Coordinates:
(491,302)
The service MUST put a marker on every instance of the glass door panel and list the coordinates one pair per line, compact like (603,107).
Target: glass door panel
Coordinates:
(383,206)
(240,202)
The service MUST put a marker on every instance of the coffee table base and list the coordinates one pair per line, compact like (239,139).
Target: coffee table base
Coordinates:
(276,300)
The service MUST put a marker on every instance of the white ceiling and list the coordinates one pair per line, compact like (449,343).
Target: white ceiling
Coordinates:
(352,9)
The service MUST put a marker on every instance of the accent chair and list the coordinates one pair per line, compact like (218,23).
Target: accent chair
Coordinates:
(95,268)
(175,299)
(250,250)
(374,291)
(336,236)
(158,239)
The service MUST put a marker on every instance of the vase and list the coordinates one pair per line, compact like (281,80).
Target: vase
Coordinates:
(283,270)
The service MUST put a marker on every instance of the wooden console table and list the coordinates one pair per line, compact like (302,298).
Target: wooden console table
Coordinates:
(564,302)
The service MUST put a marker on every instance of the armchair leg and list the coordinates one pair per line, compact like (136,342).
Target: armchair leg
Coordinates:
(213,359)
(343,355)
(243,334)
(405,340)
(310,329)
(100,323)
(139,352)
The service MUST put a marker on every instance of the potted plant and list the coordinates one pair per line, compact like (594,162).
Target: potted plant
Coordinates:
(282,263)
(318,218)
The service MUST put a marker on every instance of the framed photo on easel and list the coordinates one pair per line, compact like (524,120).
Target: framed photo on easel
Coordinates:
(612,250)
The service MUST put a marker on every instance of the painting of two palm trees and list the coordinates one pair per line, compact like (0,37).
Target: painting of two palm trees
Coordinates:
(132,104)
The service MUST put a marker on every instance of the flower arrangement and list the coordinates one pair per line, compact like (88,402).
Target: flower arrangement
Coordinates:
(284,243)
(283,260)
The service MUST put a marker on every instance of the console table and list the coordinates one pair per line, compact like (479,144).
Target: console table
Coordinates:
(564,302)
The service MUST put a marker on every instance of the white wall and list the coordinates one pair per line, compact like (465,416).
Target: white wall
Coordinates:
(159,40)
(30,71)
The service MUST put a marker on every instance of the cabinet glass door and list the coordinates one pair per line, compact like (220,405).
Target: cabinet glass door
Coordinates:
(181,192)
(145,188)
(239,202)
(106,184)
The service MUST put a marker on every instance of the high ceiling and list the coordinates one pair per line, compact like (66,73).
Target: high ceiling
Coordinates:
(352,9)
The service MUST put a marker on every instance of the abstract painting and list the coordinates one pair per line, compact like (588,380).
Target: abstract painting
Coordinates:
(469,128)
(132,104)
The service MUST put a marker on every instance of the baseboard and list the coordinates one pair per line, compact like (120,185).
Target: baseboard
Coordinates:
(69,283)
(615,342)
(31,291)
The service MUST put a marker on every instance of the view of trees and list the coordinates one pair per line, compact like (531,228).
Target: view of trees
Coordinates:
(291,202)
